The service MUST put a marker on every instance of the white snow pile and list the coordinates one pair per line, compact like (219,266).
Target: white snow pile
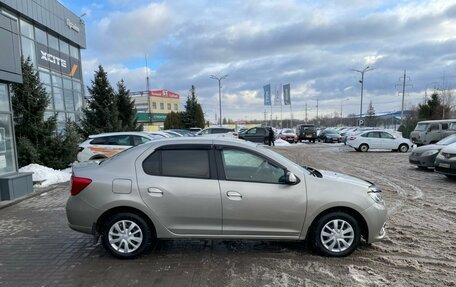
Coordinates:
(47,175)
(280,142)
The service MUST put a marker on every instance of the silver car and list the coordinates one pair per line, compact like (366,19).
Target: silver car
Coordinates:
(220,189)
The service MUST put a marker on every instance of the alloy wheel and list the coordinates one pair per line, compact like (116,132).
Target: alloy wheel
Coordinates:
(125,236)
(337,235)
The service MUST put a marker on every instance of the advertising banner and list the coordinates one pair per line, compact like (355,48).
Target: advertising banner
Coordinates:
(267,95)
(286,95)
(278,97)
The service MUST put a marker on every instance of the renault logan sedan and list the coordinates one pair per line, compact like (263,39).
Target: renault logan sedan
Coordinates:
(220,189)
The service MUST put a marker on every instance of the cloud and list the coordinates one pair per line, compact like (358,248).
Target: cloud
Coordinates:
(311,45)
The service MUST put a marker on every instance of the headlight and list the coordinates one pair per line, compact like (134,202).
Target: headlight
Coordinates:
(374,193)
(376,197)
(430,152)
(440,155)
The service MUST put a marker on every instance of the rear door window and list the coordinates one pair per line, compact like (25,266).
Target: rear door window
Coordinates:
(137,140)
(185,163)
(119,140)
(99,141)
(373,135)
(444,126)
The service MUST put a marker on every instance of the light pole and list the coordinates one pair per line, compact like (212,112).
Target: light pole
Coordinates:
(367,69)
(219,79)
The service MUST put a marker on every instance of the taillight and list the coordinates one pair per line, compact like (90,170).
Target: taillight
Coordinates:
(78,184)
(352,138)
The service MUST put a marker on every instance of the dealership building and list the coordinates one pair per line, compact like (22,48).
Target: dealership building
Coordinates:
(52,36)
(153,106)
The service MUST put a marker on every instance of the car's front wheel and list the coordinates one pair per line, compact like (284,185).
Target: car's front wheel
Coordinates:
(336,234)
(126,235)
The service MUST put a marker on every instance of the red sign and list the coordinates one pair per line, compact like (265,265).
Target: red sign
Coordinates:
(164,94)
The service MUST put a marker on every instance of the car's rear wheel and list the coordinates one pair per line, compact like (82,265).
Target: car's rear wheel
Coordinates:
(453,177)
(126,235)
(403,148)
(336,234)
(363,148)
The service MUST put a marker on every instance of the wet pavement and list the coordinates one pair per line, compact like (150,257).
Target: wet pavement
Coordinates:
(38,249)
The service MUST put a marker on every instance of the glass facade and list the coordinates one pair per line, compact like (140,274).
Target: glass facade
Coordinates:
(7,146)
(58,64)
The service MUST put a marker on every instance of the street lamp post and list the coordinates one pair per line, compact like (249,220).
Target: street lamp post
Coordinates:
(367,69)
(219,79)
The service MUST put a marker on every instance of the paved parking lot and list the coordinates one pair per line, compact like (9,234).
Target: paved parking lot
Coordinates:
(38,249)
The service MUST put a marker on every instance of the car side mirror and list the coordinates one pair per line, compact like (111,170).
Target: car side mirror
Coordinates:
(291,178)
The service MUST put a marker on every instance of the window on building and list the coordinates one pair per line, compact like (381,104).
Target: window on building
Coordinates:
(40,36)
(4,99)
(58,99)
(169,107)
(68,96)
(162,106)
(26,29)
(67,84)
(175,107)
(61,121)
(45,78)
(64,47)
(74,52)
(56,81)
(28,49)
(53,42)
(77,97)
(154,105)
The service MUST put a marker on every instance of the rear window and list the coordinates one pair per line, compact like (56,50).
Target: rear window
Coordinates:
(178,163)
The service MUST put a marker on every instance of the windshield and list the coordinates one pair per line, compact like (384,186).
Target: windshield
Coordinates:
(288,131)
(331,132)
(421,127)
(448,140)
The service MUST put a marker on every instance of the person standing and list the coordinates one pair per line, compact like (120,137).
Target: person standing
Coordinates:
(271,137)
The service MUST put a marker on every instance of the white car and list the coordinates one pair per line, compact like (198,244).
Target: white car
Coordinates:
(378,139)
(108,144)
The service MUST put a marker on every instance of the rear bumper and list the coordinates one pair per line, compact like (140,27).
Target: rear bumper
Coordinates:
(81,216)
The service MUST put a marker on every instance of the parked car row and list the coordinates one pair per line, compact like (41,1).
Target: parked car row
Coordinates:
(441,156)
(430,132)
(106,145)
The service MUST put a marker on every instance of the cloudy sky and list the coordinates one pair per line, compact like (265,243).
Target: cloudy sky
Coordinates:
(313,45)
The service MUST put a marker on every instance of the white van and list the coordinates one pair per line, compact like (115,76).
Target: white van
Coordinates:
(429,132)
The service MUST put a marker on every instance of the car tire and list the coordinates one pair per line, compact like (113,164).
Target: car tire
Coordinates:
(403,148)
(422,167)
(336,234)
(116,239)
(363,148)
(452,177)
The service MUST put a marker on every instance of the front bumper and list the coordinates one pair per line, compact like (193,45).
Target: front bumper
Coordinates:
(427,161)
(447,167)
(375,217)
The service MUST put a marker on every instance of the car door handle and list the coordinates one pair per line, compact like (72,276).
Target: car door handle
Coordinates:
(234,195)
(153,191)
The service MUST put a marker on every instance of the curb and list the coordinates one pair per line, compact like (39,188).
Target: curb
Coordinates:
(33,194)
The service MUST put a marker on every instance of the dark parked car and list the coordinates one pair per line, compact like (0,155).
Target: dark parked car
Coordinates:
(257,135)
(306,132)
(424,156)
(329,135)
(445,162)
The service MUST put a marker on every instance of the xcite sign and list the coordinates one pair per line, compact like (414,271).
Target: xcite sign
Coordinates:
(53,59)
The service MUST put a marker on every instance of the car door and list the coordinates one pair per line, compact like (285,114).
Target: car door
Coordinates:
(249,135)
(255,199)
(388,141)
(374,140)
(261,135)
(179,185)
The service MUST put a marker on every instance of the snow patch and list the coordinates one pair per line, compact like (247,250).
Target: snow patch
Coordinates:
(47,175)
(280,142)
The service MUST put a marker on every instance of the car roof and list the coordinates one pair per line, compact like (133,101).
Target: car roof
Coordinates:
(438,121)
(118,134)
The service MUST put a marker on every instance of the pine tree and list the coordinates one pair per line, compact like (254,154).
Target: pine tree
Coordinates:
(29,101)
(101,114)
(370,118)
(174,121)
(432,109)
(126,108)
(193,116)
